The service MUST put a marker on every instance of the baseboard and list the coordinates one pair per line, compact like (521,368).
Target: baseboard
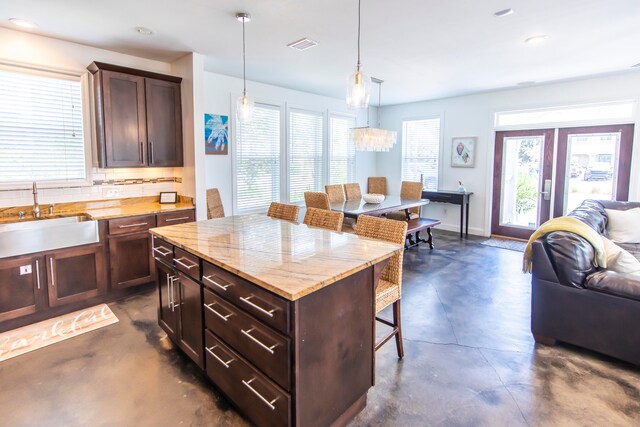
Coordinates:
(475,231)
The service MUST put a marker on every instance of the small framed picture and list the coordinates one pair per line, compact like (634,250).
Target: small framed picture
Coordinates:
(463,152)
(168,197)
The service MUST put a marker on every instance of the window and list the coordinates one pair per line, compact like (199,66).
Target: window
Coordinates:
(305,153)
(41,128)
(258,160)
(342,154)
(421,151)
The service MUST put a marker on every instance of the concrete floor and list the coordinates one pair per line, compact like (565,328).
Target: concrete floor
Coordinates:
(470,361)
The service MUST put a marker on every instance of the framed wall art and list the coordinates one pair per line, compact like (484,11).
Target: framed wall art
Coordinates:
(463,152)
(216,134)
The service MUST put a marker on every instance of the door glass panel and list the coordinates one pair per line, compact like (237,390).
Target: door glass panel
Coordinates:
(522,165)
(592,170)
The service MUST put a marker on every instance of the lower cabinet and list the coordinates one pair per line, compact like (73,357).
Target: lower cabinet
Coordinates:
(131,261)
(22,287)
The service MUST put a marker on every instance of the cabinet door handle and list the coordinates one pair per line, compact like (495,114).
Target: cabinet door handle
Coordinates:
(53,279)
(141,152)
(150,152)
(172,299)
(159,250)
(225,318)
(257,307)
(257,341)
(176,219)
(226,364)
(269,404)
(213,282)
(188,267)
(140,224)
(38,273)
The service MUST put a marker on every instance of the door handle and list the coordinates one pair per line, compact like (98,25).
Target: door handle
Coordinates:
(546,193)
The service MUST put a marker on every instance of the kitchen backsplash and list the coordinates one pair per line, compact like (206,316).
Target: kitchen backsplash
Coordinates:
(107,184)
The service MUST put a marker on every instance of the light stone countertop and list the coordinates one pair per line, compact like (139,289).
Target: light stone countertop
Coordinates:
(136,209)
(289,259)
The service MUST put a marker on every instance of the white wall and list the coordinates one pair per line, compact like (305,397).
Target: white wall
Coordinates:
(221,90)
(474,116)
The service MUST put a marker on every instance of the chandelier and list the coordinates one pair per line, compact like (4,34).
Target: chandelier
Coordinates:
(374,139)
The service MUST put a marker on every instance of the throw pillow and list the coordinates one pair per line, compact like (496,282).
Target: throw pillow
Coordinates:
(622,226)
(619,260)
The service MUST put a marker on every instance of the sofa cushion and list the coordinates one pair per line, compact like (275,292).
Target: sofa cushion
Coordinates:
(571,257)
(592,213)
(619,260)
(610,282)
(622,225)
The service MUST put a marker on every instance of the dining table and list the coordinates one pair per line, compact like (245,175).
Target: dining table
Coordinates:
(357,207)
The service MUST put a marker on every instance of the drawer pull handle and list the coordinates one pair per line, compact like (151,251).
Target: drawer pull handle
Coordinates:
(176,219)
(226,364)
(257,341)
(140,224)
(159,250)
(188,267)
(269,404)
(225,318)
(213,282)
(257,307)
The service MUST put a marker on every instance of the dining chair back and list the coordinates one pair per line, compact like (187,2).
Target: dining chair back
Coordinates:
(352,191)
(214,204)
(283,211)
(316,199)
(411,190)
(335,193)
(389,289)
(377,185)
(324,219)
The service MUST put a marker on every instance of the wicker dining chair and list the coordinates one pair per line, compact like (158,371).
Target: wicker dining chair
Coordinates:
(335,193)
(408,190)
(324,219)
(377,185)
(352,191)
(283,211)
(389,289)
(214,204)
(316,199)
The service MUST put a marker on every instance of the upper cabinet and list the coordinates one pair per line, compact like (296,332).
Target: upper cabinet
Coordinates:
(138,117)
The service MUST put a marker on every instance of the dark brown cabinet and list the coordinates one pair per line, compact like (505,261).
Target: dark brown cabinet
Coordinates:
(167,318)
(138,117)
(130,258)
(75,274)
(22,287)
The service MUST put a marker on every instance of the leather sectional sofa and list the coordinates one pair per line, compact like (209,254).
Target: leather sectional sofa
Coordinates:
(574,302)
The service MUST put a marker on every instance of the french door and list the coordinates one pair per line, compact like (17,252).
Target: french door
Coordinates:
(523,165)
(593,163)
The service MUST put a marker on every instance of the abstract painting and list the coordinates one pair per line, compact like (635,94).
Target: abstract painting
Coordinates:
(463,152)
(216,134)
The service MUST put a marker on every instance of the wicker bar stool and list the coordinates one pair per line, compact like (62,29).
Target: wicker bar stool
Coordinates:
(316,199)
(335,193)
(389,289)
(352,191)
(283,211)
(214,204)
(408,190)
(377,185)
(324,219)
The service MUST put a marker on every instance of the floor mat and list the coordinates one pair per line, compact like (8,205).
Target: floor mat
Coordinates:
(512,245)
(32,337)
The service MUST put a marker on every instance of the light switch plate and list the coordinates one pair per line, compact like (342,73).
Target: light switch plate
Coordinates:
(25,269)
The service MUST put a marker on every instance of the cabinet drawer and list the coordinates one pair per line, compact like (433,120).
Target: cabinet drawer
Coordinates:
(131,224)
(163,250)
(187,263)
(259,344)
(262,304)
(172,218)
(261,401)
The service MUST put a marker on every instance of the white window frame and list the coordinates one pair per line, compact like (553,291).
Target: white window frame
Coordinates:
(330,115)
(87,123)
(440,117)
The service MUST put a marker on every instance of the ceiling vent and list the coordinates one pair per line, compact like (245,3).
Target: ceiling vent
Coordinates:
(303,44)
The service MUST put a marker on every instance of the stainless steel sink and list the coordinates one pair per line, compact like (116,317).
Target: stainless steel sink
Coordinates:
(19,238)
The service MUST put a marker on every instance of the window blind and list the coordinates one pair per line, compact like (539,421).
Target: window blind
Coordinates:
(305,153)
(421,151)
(342,154)
(41,133)
(258,160)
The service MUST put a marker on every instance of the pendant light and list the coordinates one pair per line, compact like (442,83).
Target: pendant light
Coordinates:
(244,104)
(358,84)
(374,139)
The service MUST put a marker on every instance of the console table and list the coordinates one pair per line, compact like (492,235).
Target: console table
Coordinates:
(455,198)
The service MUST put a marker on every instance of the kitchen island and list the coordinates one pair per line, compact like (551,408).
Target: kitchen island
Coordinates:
(279,315)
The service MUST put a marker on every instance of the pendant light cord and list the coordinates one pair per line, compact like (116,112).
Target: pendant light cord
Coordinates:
(358,67)
(379,98)
(244,62)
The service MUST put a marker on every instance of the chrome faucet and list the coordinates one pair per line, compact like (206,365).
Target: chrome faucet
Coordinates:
(36,206)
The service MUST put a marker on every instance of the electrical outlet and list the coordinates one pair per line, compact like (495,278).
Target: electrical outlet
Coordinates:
(25,269)
(111,192)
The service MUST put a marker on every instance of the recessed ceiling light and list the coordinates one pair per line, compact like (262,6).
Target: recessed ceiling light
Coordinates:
(303,44)
(536,39)
(22,23)
(504,12)
(243,17)
(144,31)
